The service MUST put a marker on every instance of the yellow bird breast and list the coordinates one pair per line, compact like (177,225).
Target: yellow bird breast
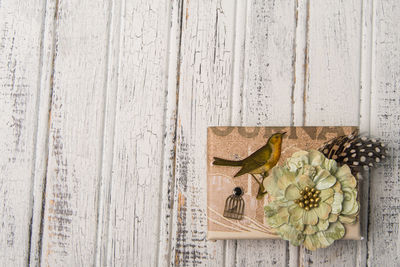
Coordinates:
(270,163)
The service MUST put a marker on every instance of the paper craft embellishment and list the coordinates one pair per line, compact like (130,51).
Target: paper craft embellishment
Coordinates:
(313,198)
(307,183)
(260,162)
(234,204)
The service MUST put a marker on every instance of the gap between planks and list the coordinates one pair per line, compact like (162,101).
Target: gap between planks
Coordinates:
(45,88)
(168,164)
(110,91)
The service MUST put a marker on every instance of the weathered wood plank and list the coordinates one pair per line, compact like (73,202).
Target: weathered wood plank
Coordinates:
(170,122)
(205,78)
(383,234)
(267,97)
(270,55)
(298,101)
(41,153)
(114,55)
(75,133)
(20,57)
(136,176)
(333,63)
(365,111)
(332,91)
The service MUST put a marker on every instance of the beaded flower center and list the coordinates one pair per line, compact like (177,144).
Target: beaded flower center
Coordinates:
(309,198)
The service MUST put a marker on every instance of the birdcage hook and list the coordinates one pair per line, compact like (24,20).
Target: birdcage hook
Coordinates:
(234,204)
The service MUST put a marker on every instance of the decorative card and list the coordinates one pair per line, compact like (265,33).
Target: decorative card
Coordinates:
(295,183)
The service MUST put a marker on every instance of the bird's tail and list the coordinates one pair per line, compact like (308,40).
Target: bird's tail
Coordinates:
(225,162)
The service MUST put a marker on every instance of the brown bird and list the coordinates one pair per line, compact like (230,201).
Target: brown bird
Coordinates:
(260,162)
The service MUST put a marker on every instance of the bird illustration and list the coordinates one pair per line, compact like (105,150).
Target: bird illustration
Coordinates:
(260,162)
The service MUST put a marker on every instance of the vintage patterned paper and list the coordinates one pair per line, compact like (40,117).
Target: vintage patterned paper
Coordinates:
(237,143)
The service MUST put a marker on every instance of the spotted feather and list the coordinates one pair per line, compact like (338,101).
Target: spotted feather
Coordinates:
(358,152)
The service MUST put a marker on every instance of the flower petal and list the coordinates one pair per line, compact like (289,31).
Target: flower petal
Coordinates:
(329,200)
(299,225)
(296,213)
(321,174)
(325,242)
(337,187)
(289,233)
(350,181)
(276,217)
(297,160)
(326,193)
(323,210)
(335,231)
(323,225)
(310,229)
(310,217)
(304,180)
(316,157)
(337,203)
(326,182)
(271,209)
(347,180)
(350,204)
(330,165)
(333,217)
(271,184)
(350,208)
(309,171)
(348,219)
(292,192)
(344,170)
(311,242)
(285,180)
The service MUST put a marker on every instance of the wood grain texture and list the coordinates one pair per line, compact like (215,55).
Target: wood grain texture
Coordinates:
(104,108)
(42,135)
(383,232)
(365,125)
(170,124)
(270,55)
(333,63)
(135,190)
(205,77)
(113,59)
(20,56)
(75,133)
(332,92)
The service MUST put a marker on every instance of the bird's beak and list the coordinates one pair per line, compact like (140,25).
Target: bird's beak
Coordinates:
(284,133)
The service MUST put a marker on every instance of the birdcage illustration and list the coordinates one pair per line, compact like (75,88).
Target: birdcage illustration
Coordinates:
(234,205)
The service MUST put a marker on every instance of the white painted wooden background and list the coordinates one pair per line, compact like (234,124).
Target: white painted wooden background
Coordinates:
(104,107)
